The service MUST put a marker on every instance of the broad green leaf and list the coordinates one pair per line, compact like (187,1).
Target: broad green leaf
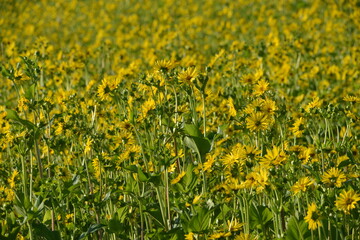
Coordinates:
(11,114)
(192,130)
(122,213)
(199,145)
(93,228)
(296,229)
(222,211)
(156,215)
(201,221)
(30,92)
(41,231)
(47,215)
(142,176)
(202,144)
(132,168)
(190,178)
(190,143)
(115,226)
(260,215)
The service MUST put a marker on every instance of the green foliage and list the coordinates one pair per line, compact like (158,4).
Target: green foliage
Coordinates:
(199,119)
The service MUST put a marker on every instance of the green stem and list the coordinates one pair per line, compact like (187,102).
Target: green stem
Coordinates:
(88,176)
(37,154)
(167,198)
(30,230)
(162,208)
(204,113)
(24,176)
(141,221)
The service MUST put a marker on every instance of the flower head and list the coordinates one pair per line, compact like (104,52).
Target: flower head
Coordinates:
(301,185)
(347,200)
(257,121)
(333,177)
(313,217)
(188,75)
(164,65)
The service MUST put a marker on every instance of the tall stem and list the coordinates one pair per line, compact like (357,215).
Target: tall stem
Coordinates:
(167,201)
(204,113)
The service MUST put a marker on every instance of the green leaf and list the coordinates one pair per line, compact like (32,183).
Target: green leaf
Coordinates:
(201,221)
(12,115)
(20,211)
(190,143)
(12,235)
(199,145)
(122,213)
(192,130)
(30,92)
(260,215)
(344,163)
(42,231)
(202,144)
(222,211)
(132,168)
(93,228)
(296,229)
(156,215)
(190,178)
(156,179)
(142,176)
(115,226)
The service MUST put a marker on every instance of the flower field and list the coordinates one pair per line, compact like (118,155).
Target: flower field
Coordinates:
(193,119)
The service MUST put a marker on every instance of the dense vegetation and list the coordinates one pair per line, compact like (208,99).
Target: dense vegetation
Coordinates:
(193,119)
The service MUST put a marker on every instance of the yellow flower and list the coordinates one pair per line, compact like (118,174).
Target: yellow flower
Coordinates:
(333,177)
(164,65)
(22,104)
(59,129)
(189,236)
(251,153)
(229,160)
(244,236)
(260,87)
(196,199)
(316,103)
(107,86)
(234,225)
(254,105)
(188,75)
(349,98)
(247,79)
(11,179)
(261,178)
(178,178)
(298,127)
(219,235)
(232,110)
(268,107)
(342,158)
(209,163)
(313,217)
(274,157)
(257,121)
(301,185)
(347,200)
(88,146)
(97,167)
(20,237)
